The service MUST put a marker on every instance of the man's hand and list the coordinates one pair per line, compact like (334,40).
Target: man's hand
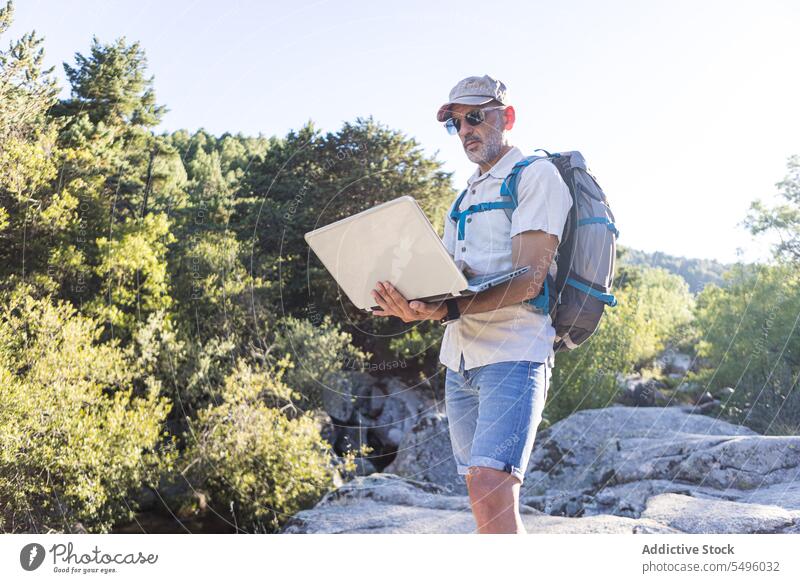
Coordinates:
(393,303)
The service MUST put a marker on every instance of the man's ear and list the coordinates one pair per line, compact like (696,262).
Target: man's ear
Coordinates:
(510,116)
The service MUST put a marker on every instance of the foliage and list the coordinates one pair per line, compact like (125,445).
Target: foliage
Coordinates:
(697,272)
(255,461)
(316,354)
(76,439)
(28,215)
(751,342)
(783,218)
(653,306)
(133,272)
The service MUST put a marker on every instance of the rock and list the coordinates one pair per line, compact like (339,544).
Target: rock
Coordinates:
(340,391)
(326,427)
(704,398)
(673,362)
(371,411)
(696,515)
(617,469)
(638,453)
(426,454)
(400,408)
(364,467)
(643,394)
(386,503)
(724,393)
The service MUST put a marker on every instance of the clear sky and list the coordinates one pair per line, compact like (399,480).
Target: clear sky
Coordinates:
(686,111)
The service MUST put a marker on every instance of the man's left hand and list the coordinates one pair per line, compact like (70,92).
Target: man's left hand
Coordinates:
(393,303)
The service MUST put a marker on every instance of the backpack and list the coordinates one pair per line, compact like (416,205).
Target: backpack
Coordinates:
(585,258)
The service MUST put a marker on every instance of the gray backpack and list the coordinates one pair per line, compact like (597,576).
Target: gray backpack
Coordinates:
(585,258)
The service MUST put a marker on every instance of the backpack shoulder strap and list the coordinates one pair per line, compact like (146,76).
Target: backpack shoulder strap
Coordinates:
(566,247)
(508,189)
(454,214)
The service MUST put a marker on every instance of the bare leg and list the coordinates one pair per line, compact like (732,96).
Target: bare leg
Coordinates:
(494,497)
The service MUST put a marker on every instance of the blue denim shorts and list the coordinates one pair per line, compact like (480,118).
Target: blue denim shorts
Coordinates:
(493,412)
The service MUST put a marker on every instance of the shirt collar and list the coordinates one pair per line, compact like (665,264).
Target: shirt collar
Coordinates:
(501,168)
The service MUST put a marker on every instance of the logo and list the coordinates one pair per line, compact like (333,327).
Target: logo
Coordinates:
(31,556)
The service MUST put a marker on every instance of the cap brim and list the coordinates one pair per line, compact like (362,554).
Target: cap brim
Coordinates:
(443,112)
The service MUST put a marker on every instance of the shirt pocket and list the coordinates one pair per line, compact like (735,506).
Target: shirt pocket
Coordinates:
(497,234)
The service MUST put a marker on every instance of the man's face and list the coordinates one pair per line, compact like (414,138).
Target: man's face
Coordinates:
(482,143)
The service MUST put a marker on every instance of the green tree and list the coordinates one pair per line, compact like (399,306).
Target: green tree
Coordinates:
(751,342)
(77,437)
(32,218)
(128,182)
(782,219)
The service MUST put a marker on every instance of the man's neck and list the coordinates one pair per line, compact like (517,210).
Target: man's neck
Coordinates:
(488,165)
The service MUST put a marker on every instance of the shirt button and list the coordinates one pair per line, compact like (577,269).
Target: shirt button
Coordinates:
(463,248)
(469,220)
(473,191)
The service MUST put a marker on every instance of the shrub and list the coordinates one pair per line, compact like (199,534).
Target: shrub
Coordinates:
(75,438)
(317,355)
(750,342)
(653,306)
(255,461)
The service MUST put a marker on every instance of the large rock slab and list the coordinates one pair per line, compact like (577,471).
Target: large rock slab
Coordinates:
(390,504)
(697,515)
(619,469)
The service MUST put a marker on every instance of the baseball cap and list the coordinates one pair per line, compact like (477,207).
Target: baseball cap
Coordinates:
(474,91)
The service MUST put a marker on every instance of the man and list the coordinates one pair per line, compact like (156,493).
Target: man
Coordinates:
(497,348)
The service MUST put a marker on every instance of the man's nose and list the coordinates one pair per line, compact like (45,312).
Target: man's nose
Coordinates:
(466,130)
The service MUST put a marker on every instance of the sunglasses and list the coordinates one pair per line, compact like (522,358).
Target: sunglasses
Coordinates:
(473,118)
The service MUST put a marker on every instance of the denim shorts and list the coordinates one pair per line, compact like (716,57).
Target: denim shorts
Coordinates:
(493,412)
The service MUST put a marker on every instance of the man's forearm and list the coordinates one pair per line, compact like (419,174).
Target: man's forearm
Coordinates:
(514,291)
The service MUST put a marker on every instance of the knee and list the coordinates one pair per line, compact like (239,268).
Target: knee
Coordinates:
(487,486)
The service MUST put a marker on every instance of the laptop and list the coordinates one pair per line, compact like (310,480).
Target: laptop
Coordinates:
(394,241)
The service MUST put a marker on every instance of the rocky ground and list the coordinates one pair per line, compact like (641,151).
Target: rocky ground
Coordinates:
(613,470)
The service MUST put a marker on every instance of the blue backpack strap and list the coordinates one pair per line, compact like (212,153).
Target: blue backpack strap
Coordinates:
(454,211)
(508,189)
(460,217)
(603,297)
(542,301)
(591,220)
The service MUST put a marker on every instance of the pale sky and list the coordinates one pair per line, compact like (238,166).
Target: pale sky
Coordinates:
(685,111)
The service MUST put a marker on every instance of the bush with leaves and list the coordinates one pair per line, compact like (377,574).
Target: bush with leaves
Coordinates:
(751,343)
(317,353)
(653,307)
(258,466)
(76,437)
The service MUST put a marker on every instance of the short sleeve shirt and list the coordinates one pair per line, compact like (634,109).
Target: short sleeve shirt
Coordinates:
(513,332)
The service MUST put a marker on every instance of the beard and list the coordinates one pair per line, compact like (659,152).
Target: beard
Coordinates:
(487,149)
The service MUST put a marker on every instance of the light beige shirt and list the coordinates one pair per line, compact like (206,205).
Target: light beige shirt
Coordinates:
(516,331)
